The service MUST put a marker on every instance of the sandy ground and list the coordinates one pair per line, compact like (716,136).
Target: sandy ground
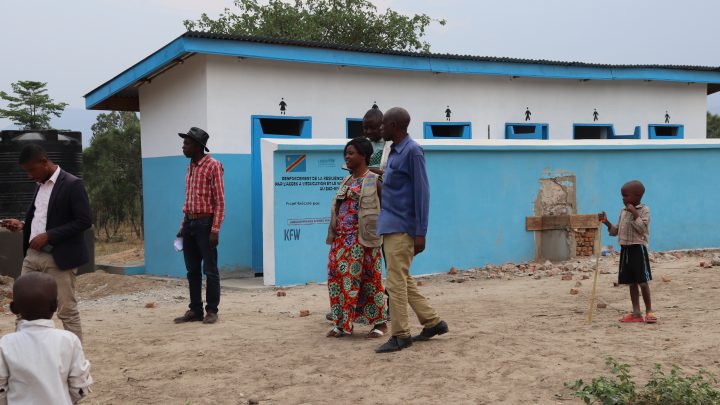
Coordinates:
(513,340)
(127,257)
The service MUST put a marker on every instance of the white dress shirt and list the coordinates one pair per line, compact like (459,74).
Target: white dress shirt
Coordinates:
(42,199)
(40,364)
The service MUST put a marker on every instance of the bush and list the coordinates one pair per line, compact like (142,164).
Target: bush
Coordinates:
(674,388)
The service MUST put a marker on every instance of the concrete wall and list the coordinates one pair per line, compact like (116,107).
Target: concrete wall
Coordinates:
(172,103)
(239,88)
(481,193)
(220,94)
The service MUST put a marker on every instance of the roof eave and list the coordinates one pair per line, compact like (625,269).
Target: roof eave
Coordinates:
(120,93)
(105,95)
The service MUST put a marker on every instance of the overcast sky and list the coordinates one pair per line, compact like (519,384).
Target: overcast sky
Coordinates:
(76,45)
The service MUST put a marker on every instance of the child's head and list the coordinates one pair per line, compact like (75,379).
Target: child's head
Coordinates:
(34,296)
(632,192)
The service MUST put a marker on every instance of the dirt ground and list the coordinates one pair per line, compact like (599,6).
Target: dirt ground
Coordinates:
(125,242)
(514,339)
(129,254)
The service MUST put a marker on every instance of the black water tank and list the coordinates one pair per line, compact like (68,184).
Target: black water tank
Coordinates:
(17,190)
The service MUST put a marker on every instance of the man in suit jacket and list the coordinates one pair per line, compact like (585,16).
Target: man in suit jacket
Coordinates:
(53,229)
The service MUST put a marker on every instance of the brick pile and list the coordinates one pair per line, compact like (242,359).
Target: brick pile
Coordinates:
(585,242)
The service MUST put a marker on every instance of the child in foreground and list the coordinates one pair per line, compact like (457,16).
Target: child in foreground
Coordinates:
(633,232)
(40,364)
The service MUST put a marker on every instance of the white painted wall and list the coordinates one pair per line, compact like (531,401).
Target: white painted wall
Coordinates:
(237,88)
(173,102)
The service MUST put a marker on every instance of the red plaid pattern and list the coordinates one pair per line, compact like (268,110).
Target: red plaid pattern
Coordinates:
(205,190)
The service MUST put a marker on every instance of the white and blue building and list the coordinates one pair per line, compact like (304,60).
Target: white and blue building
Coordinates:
(484,164)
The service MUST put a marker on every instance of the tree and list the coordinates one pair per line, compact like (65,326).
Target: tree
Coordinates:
(113,173)
(344,22)
(713,125)
(32,107)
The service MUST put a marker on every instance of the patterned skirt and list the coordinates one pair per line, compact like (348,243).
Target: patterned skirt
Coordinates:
(355,283)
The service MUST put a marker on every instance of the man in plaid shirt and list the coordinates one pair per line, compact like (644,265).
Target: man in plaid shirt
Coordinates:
(204,211)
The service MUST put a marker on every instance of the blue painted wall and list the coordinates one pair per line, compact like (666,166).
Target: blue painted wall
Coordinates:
(164,194)
(480,196)
(258,133)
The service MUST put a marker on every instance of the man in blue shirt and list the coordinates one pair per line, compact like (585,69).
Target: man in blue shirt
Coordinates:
(403,223)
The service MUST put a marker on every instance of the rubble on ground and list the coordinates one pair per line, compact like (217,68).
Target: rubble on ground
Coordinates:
(579,268)
(6,293)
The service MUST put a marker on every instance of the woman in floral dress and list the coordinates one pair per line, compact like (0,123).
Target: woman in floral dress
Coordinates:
(355,270)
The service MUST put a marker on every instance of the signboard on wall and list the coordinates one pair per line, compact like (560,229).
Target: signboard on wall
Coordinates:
(304,185)
(468,228)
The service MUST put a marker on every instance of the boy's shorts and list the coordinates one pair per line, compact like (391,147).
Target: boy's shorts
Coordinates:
(634,265)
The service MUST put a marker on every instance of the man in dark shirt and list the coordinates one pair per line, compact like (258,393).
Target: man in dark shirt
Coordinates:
(403,223)
(54,228)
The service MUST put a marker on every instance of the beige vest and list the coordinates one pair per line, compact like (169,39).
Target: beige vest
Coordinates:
(367,214)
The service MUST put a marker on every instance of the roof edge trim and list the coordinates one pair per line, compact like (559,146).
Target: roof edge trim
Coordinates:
(295,51)
(139,71)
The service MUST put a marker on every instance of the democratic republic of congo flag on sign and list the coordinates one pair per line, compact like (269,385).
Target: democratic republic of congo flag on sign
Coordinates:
(295,163)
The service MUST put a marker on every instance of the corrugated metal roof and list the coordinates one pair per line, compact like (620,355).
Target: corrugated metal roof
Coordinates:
(350,48)
(121,93)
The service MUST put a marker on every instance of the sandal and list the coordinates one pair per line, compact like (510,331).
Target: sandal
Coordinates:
(630,318)
(377,332)
(334,332)
(650,317)
(337,333)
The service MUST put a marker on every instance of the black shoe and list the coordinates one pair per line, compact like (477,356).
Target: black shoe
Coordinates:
(440,329)
(210,317)
(395,344)
(189,316)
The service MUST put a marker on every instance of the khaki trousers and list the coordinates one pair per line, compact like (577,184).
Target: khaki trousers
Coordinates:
(399,253)
(67,304)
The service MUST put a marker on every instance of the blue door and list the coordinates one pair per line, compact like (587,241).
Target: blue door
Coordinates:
(268,126)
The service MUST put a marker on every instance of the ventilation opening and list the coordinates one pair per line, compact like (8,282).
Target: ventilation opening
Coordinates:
(354,128)
(583,132)
(275,126)
(666,131)
(524,129)
(447,131)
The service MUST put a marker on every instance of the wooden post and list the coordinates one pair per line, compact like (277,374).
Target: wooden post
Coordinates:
(598,247)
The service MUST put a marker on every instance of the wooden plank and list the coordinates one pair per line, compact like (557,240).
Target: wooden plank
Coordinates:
(550,222)
(533,223)
(584,221)
(545,223)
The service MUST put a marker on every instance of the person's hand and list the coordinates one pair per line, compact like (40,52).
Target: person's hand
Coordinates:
(214,239)
(39,241)
(419,244)
(12,224)
(602,217)
(632,210)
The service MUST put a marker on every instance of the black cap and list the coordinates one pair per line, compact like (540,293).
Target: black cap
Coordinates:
(197,135)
